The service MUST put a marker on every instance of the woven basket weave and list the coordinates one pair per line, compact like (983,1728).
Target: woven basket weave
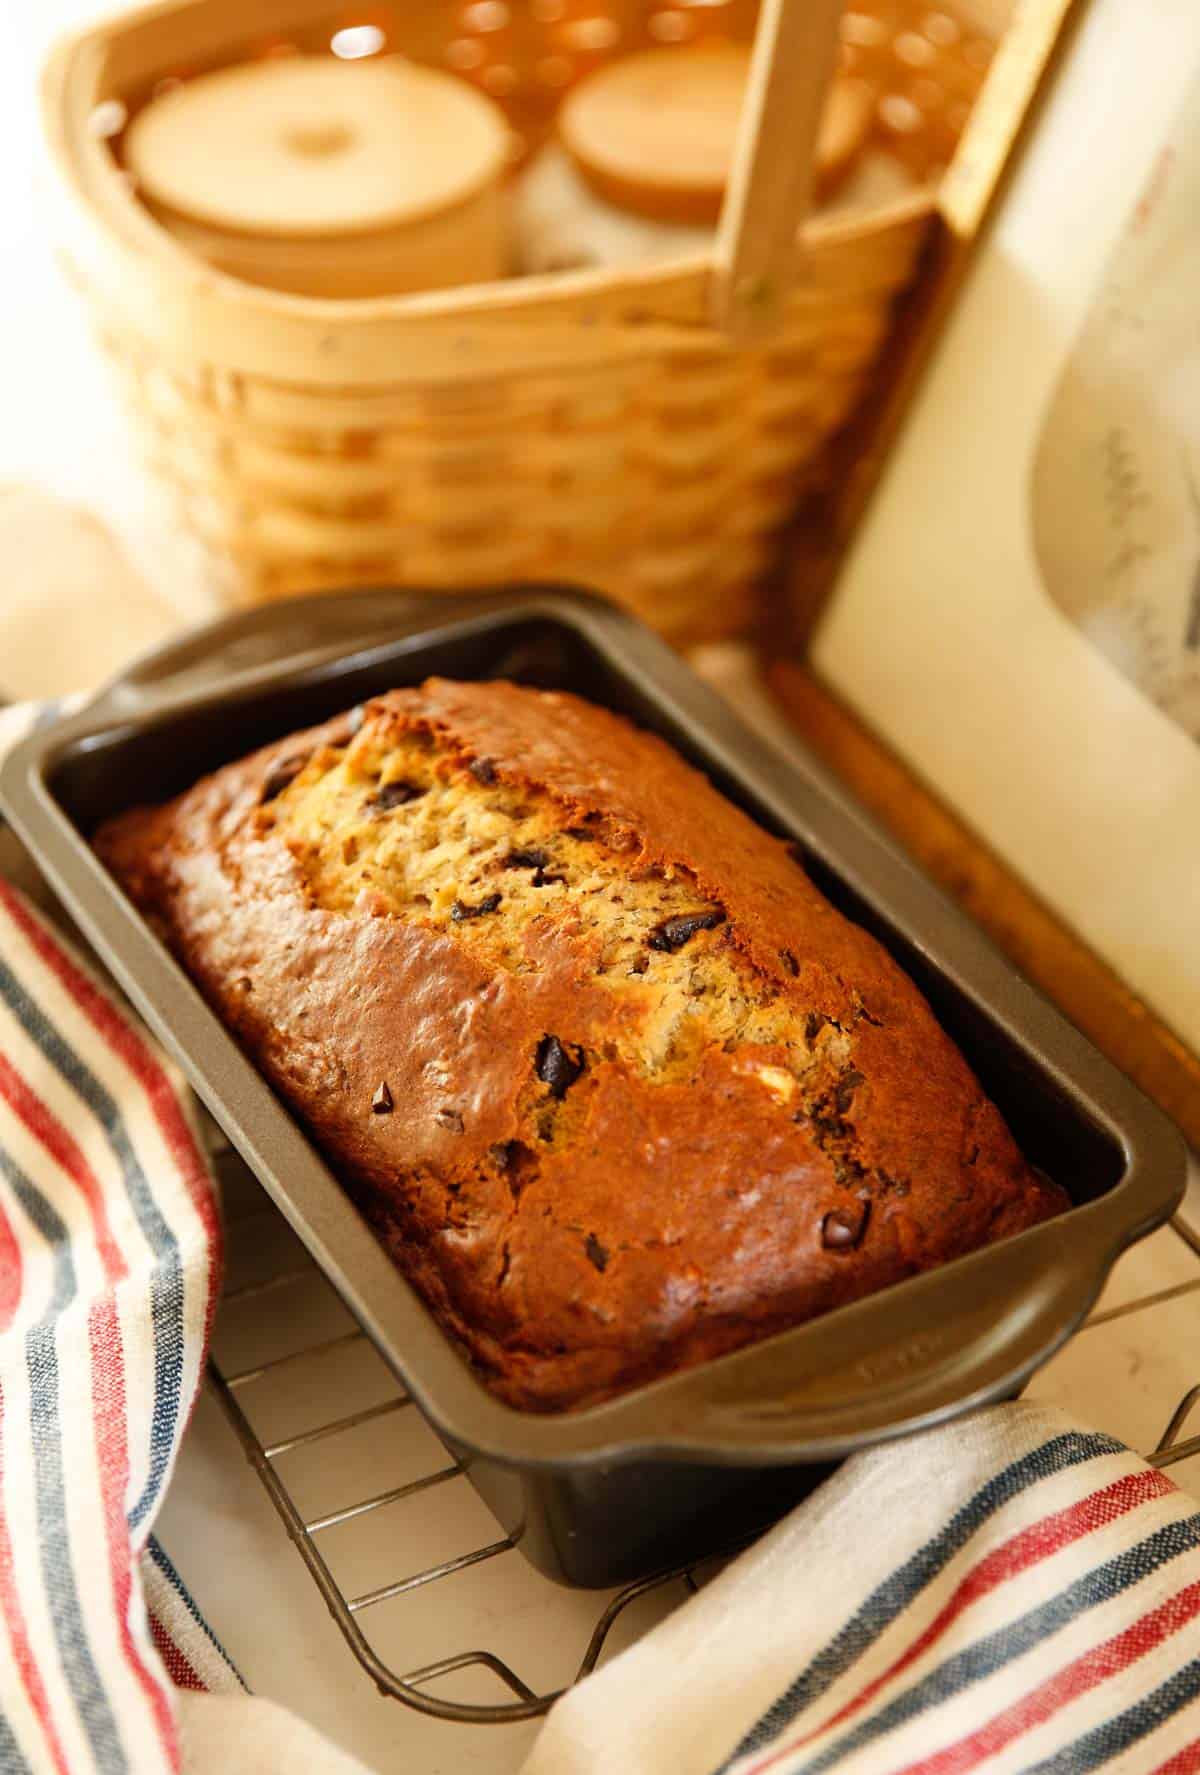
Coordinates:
(590,427)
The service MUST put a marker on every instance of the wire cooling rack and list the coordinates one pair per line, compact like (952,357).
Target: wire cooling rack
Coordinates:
(268,1295)
(279,1269)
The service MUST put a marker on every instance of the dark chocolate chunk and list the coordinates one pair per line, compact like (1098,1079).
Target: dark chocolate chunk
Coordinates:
(397,794)
(483,770)
(450,1119)
(281,774)
(535,860)
(381,1103)
(583,834)
(842,1228)
(596,1252)
(673,933)
(557,1065)
(814,1023)
(516,1163)
(460,910)
(639,964)
(789,961)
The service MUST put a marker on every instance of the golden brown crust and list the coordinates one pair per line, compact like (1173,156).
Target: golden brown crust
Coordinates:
(587,1217)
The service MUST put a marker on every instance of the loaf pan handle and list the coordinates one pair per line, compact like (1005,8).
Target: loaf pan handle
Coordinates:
(267,639)
(900,1360)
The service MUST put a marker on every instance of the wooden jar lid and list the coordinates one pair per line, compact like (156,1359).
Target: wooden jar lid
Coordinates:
(312,148)
(654,133)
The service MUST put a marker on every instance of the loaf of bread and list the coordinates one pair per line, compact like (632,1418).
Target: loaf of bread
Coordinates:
(618,1088)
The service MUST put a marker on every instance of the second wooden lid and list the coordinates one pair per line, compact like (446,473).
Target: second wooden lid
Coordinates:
(654,133)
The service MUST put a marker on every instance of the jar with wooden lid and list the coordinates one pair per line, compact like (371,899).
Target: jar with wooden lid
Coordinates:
(328,178)
(640,162)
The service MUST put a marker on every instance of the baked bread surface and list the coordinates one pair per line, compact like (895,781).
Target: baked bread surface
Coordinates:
(616,1085)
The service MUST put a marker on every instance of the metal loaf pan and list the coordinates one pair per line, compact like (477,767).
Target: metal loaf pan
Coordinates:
(672,1469)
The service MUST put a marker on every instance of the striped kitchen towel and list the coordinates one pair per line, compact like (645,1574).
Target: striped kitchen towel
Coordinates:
(110,1254)
(1009,1593)
(110,1257)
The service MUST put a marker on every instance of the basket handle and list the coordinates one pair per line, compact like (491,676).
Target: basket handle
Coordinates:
(770,181)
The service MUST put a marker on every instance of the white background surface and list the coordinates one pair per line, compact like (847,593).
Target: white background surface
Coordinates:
(56,421)
(1125,1372)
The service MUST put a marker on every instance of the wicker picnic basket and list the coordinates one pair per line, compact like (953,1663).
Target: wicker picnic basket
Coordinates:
(630,430)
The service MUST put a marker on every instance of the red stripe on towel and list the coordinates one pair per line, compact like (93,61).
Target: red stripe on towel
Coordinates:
(49,1132)
(1086,1672)
(110,1421)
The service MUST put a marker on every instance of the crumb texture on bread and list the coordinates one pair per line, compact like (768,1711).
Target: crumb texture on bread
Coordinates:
(617,1087)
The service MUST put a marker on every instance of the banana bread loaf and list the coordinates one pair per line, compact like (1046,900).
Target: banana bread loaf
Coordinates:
(616,1085)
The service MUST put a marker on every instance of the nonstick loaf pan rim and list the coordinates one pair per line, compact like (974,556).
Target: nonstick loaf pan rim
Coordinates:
(906,1358)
